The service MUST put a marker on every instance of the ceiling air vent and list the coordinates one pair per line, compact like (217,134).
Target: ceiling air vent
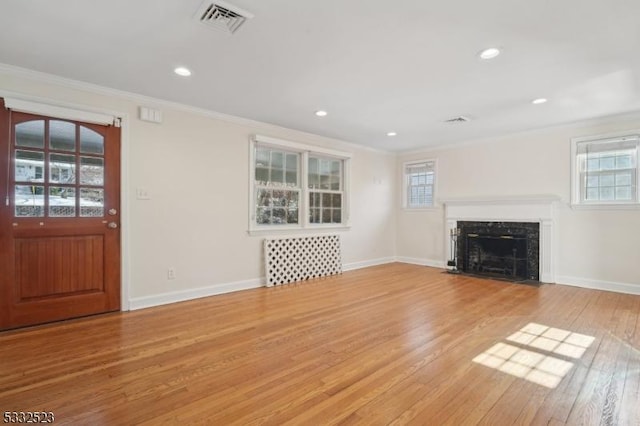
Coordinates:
(457,120)
(222,16)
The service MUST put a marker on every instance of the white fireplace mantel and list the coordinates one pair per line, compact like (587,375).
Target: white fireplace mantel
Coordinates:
(532,208)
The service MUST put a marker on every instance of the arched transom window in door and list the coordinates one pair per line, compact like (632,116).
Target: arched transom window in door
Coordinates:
(58,169)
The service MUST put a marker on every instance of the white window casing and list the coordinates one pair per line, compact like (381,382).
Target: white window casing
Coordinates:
(269,195)
(419,179)
(604,171)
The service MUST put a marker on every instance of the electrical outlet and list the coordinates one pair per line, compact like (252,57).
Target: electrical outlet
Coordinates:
(171,274)
(142,194)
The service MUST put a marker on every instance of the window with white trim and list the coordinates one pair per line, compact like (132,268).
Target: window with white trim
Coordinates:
(297,186)
(325,184)
(419,184)
(605,171)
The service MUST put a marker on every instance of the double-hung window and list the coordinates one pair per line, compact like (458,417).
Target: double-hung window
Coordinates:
(296,186)
(605,171)
(419,184)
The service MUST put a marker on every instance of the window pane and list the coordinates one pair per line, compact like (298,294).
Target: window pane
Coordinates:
(593,164)
(593,181)
(335,175)
(30,134)
(623,193)
(326,215)
(291,177)
(262,175)
(91,202)
(277,207)
(314,199)
(337,216)
(29,201)
(91,171)
(62,202)
(277,168)
(62,168)
(325,174)
(336,200)
(592,194)
(607,180)
(29,166)
(91,142)
(62,135)
(314,179)
(623,179)
(624,161)
(429,179)
(608,163)
(314,215)
(607,193)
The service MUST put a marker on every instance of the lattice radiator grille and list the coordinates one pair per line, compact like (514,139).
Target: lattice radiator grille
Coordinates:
(297,259)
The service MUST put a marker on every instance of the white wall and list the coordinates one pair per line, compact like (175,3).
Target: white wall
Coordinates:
(195,168)
(596,248)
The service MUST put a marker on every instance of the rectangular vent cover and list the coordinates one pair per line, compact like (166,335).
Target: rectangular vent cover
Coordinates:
(222,16)
(288,260)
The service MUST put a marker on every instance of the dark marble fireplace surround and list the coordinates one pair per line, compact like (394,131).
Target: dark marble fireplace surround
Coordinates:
(509,250)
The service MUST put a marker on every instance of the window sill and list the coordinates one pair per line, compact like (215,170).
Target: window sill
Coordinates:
(298,230)
(634,206)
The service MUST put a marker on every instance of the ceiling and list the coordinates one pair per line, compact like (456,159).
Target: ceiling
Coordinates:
(374,66)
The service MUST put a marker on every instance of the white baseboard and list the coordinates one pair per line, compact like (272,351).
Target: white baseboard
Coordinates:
(181,296)
(423,262)
(366,263)
(599,285)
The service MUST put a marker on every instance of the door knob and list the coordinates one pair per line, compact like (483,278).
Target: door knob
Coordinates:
(113,212)
(112,225)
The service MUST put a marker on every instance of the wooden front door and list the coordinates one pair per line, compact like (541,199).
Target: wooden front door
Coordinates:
(59,219)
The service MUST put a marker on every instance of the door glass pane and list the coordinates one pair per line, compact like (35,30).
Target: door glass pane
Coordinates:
(62,202)
(62,135)
(29,166)
(91,142)
(91,202)
(62,168)
(30,134)
(29,201)
(91,171)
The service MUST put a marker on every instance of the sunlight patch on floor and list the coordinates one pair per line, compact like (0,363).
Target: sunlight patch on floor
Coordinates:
(541,361)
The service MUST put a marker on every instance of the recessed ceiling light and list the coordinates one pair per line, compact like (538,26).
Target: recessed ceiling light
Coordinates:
(489,53)
(182,71)
(391,134)
(539,101)
(321,113)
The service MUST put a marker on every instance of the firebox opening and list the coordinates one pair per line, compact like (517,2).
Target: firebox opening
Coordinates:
(506,250)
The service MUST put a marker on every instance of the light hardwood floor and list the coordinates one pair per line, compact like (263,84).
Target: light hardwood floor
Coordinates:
(393,344)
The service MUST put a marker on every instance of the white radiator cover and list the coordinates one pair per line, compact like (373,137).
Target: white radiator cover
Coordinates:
(294,259)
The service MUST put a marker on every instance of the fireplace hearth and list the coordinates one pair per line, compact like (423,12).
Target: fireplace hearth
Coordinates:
(505,250)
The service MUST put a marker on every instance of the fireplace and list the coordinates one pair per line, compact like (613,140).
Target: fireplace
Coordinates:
(514,216)
(508,250)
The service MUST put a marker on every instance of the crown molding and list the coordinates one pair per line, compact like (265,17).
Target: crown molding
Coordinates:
(53,79)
